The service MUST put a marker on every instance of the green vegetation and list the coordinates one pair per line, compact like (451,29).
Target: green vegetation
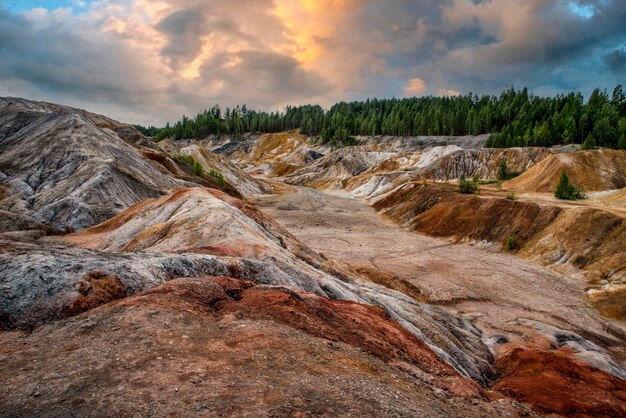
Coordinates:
(590,143)
(486,181)
(150,131)
(337,138)
(184,158)
(511,243)
(197,169)
(511,196)
(503,172)
(468,186)
(514,118)
(568,191)
(219,177)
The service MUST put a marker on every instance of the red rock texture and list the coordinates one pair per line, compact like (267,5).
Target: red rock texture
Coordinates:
(554,382)
(362,326)
(223,347)
(95,289)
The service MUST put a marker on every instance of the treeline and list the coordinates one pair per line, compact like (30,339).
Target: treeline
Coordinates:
(514,118)
(238,121)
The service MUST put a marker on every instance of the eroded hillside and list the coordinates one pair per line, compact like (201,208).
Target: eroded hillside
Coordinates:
(228,275)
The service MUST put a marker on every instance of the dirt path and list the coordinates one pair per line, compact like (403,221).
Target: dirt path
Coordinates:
(596,200)
(493,287)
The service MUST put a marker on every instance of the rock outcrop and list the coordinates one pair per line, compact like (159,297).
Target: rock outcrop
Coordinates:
(69,168)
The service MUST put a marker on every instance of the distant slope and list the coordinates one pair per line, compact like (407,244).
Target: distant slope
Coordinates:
(592,170)
(69,168)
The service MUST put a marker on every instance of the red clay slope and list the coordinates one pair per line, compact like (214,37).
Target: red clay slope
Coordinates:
(554,382)
(223,347)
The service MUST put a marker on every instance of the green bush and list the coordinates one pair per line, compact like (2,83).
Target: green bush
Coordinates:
(511,196)
(197,169)
(511,243)
(184,158)
(568,191)
(590,143)
(468,186)
(219,177)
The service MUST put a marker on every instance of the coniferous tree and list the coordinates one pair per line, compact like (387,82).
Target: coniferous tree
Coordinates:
(514,118)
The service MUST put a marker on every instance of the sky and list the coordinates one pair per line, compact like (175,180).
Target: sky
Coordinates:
(151,61)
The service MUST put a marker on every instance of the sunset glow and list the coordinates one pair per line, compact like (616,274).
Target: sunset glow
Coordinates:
(168,57)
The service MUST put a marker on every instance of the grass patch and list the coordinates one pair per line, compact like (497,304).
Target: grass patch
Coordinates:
(219,177)
(184,158)
(468,186)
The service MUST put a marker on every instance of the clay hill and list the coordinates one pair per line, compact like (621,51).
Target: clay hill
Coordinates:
(270,275)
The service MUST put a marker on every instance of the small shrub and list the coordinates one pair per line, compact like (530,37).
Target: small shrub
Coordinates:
(219,177)
(197,169)
(468,186)
(184,158)
(511,196)
(511,243)
(568,191)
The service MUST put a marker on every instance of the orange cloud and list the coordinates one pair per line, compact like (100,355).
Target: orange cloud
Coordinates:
(414,87)
(308,22)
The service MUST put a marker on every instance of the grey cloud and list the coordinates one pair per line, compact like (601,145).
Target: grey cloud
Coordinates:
(184,30)
(268,78)
(616,60)
(74,62)
(61,59)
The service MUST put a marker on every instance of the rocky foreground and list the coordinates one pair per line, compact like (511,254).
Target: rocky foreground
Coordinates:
(170,279)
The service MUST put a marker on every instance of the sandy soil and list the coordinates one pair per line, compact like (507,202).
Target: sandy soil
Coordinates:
(610,201)
(492,287)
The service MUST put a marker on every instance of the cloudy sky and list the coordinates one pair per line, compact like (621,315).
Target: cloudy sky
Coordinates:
(150,61)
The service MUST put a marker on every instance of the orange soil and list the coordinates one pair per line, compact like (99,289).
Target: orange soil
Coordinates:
(554,382)
(592,170)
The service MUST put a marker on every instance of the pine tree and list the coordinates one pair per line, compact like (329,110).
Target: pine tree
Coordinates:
(503,171)
(568,191)
(562,190)
(590,143)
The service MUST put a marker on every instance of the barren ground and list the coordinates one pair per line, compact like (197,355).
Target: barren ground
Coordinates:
(493,287)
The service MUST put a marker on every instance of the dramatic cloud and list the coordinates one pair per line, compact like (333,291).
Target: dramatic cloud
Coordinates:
(415,86)
(150,61)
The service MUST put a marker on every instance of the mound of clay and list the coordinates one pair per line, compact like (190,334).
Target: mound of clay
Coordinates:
(439,210)
(69,168)
(483,163)
(223,347)
(592,170)
(332,170)
(553,381)
(210,233)
(196,220)
(441,163)
(245,184)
